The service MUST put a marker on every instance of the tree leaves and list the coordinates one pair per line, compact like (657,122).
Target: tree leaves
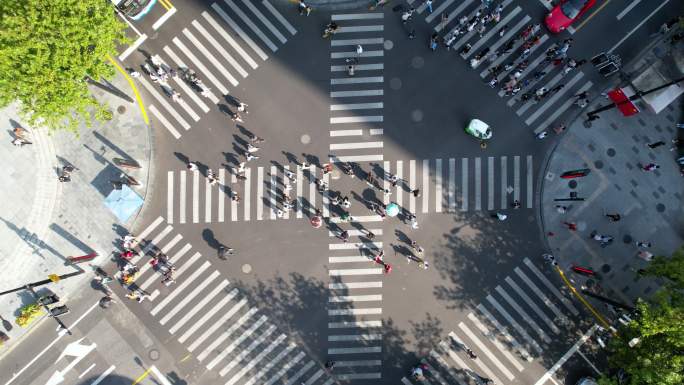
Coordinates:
(47,49)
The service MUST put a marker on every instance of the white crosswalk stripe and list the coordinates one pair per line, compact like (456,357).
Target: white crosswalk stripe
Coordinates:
(478,187)
(200,305)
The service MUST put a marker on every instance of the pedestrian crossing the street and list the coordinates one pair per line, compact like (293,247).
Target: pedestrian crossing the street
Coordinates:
(520,63)
(444,186)
(355,301)
(222,46)
(506,332)
(357,87)
(215,321)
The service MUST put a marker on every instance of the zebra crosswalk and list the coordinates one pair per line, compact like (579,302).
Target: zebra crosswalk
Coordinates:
(538,73)
(355,303)
(446,185)
(356,112)
(222,47)
(507,331)
(198,308)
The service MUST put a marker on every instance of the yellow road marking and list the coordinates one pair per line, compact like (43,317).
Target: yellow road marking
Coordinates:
(185,358)
(142,377)
(135,90)
(166,4)
(592,15)
(584,301)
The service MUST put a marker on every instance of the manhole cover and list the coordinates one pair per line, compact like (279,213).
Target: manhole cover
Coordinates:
(627,239)
(395,83)
(660,207)
(417,62)
(389,44)
(598,164)
(605,268)
(572,184)
(246,268)
(153,354)
(305,139)
(417,115)
(611,152)
(121,109)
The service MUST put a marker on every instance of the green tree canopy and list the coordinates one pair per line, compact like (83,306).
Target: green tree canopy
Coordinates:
(656,356)
(47,48)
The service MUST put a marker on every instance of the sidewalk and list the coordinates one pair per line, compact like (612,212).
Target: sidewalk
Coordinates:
(45,221)
(650,203)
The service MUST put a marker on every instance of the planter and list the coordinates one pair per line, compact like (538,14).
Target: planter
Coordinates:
(28,314)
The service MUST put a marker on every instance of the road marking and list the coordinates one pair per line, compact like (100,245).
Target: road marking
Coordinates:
(490,183)
(343,42)
(219,48)
(205,300)
(355,106)
(356,298)
(210,330)
(496,30)
(515,325)
(212,59)
(565,357)
(359,67)
(199,65)
(141,39)
(101,377)
(554,98)
(353,54)
(207,203)
(155,241)
(153,278)
(189,297)
(487,353)
(172,243)
(235,27)
(349,259)
(272,189)
(461,364)
(258,341)
(357,16)
(89,368)
(492,338)
(285,368)
(180,288)
(346,133)
(426,185)
(558,111)
(438,11)
(586,20)
(226,36)
(637,27)
(341,272)
(236,342)
(312,189)
(358,376)
(528,174)
(169,197)
(354,337)
(260,194)
(412,185)
(354,324)
(504,182)
(207,315)
(266,22)
(248,175)
(195,196)
(451,189)
(354,285)
(357,80)
(363,350)
(459,379)
(360,218)
(347,364)
(351,246)
(516,177)
(347,94)
(222,191)
(400,188)
(362,311)
(538,292)
(550,287)
(361,28)
(355,233)
(325,199)
(464,184)
(217,340)
(532,305)
(264,369)
(300,190)
(164,102)
(438,185)
(524,314)
(385,182)
(280,17)
(256,359)
(628,8)
(352,146)
(478,183)
(253,26)
(356,119)
(504,332)
(169,52)
(164,121)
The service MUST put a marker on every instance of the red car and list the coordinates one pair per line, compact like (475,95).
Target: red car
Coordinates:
(566,13)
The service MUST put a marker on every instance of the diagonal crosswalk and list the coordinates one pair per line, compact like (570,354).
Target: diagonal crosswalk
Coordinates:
(446,185)
(500,331)
(214,320)
(541,114)
(222,47)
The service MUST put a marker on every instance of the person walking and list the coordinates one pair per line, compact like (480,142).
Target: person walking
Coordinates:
(650,167)
(428,5)
(550,259)
(643,244)
(249,156)
(571,226)
(471,354)
(561,209)
(542,134)
(344,236)
(359,50)
(192,166)
(242,107)
(500,216)
(433,41)
(614,217)
(416,193)
(655,144)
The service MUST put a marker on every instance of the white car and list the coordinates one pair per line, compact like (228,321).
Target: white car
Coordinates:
(479,129)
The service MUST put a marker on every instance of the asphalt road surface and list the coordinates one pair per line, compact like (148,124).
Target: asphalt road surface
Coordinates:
(293,297)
